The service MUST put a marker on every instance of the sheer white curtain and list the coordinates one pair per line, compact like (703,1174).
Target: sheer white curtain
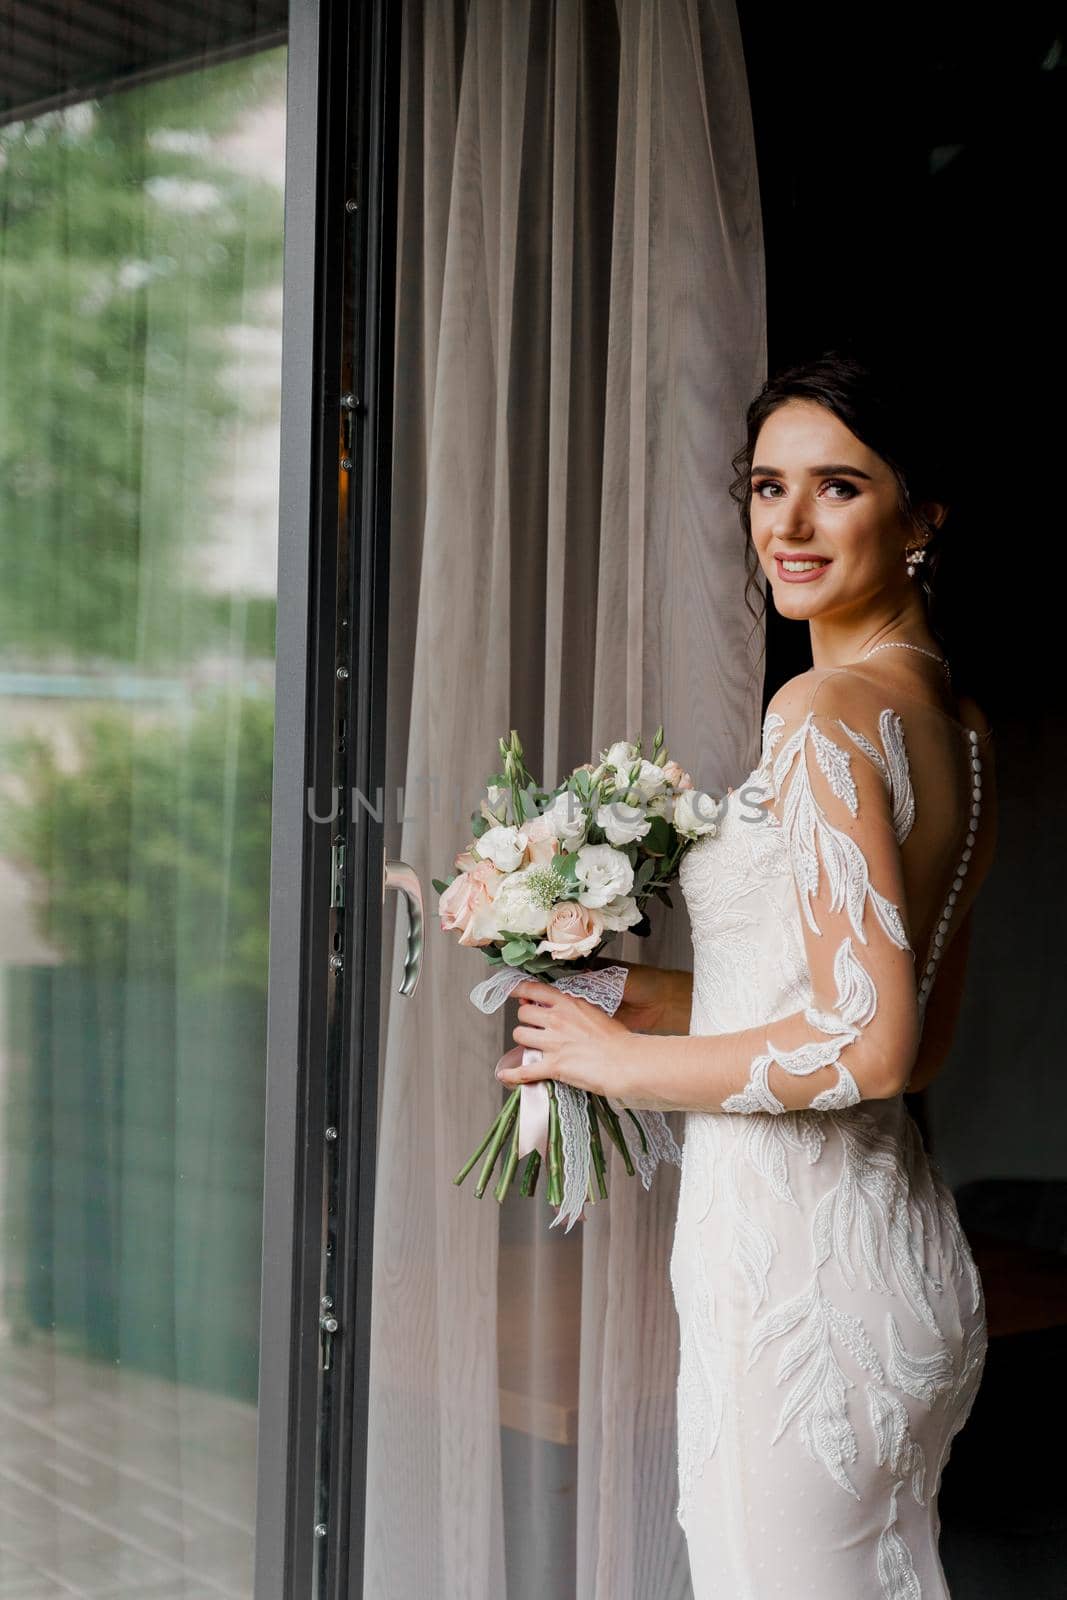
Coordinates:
(580,324)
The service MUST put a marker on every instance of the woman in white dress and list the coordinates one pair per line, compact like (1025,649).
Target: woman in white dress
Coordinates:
(833,1330)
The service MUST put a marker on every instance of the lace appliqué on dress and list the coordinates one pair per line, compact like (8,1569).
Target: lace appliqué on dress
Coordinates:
(811,838)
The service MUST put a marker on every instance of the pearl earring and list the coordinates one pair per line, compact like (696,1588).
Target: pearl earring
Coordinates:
(914,557)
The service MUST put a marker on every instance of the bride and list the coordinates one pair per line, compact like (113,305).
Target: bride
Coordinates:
(833,1330)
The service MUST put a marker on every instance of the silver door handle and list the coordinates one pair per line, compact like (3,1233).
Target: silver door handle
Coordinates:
(398,875)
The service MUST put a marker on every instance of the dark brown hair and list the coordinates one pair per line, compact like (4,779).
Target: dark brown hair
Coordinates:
(884,410)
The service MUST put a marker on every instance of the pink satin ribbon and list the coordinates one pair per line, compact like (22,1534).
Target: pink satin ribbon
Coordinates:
(533,1107)
(533,1102)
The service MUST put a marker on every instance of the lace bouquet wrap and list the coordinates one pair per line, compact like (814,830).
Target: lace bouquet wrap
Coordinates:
(547,880)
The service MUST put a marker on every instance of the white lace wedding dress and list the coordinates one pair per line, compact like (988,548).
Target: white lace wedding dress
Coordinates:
(832,1319)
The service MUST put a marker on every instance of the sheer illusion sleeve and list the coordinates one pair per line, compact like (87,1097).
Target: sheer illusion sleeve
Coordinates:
(833,794)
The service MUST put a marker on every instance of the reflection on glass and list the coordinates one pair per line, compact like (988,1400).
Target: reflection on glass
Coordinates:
(140,310)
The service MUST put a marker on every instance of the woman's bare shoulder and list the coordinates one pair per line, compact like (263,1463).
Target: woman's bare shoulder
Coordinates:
(829,691)
(797,694)
(847,690)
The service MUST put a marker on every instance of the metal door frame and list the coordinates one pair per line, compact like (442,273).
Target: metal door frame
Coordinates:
(326,864)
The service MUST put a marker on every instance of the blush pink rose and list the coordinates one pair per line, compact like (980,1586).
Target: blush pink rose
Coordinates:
(573,930)
(466,861)
(466,904)
(675,776)
(542,842)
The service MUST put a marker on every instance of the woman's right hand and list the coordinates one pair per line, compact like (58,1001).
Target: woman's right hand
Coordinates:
(654,998)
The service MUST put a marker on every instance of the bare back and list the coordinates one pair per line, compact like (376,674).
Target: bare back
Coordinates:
(944,781)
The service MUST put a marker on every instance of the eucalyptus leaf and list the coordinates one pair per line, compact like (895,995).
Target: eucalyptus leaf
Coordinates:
(644,872)
(657,840)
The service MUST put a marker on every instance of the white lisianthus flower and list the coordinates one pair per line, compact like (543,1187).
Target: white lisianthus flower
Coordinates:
(622,823)
(620,913)
(660,805)
(568,819)
(695,813)
(494,807)
(648,782)
(603,873)
(622,754)
(504,846)
(524,901)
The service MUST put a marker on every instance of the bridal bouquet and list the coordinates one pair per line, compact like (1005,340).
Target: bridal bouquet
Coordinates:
(548,878)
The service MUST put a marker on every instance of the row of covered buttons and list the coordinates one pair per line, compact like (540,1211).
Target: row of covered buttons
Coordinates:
(942,927)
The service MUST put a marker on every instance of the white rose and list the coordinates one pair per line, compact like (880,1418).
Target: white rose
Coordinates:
(622,823)
(567,817)
(620,913)
(603,872)
(695,813)
(516,909)
(503,846)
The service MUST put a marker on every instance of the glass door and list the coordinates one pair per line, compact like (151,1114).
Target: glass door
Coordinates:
(142,177)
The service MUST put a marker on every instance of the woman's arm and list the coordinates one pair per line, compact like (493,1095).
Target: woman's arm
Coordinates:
(698,1072)
(705,1071)
(859,1037)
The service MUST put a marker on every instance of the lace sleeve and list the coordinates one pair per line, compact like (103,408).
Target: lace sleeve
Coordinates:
(834,797)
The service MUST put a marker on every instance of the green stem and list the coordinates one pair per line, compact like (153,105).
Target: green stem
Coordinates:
(555,1153)
(530,1172)
(503,1128)
(596,1148)
(614,1127)
(509,1166)
(485,1142)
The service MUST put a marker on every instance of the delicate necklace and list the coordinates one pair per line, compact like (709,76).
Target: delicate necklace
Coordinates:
(900,644)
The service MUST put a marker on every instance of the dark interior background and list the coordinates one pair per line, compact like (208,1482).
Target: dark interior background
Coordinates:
(910,164)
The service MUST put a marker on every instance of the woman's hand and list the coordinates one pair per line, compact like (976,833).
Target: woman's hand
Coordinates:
(579,1043)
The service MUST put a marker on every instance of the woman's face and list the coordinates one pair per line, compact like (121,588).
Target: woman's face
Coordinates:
(818,492)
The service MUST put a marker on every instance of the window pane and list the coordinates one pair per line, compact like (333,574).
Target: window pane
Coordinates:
(140,341)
